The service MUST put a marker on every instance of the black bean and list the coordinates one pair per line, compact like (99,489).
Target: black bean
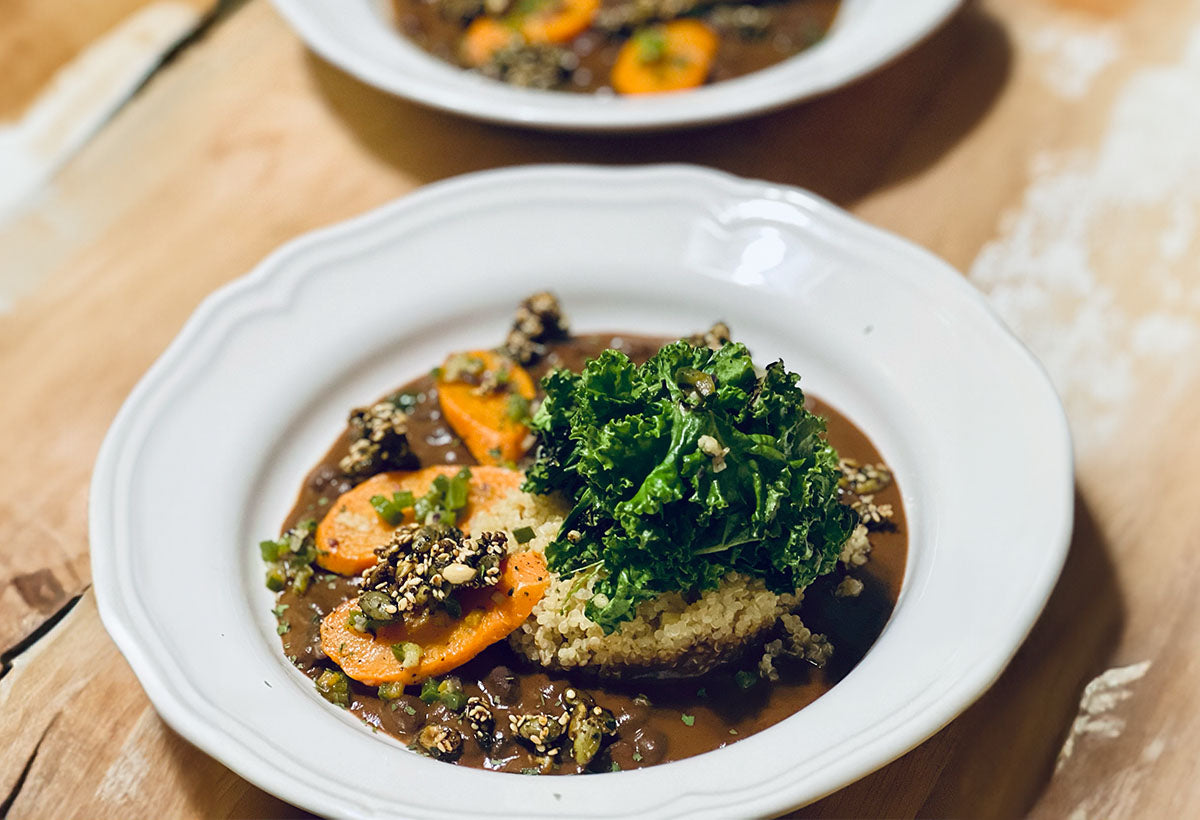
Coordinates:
(501,686)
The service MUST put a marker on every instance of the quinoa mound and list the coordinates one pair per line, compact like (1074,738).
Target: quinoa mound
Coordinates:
(672,635)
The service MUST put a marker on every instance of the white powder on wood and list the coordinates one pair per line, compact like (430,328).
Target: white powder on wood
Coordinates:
(1096,269)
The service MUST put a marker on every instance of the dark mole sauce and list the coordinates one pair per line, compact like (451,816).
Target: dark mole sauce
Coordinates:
(650,713)
(796,25)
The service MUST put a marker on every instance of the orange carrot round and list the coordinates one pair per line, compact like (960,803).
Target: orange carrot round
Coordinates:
(489,615)
(349,533)
(673,56)
(488,422)
(483,38)
(557,21)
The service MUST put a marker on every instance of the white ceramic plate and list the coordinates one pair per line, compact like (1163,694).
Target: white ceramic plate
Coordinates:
(208,452)
(357,36)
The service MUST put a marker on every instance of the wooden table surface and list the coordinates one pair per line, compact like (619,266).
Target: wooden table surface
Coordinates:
(1050,149)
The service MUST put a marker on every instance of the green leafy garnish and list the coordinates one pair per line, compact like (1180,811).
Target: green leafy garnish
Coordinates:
(682,470)
(745,679)
(392,510)
(688,720)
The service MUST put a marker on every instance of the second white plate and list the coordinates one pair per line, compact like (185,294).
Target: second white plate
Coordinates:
(356,36)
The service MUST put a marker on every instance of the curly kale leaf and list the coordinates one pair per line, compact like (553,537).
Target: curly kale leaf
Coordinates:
(684,469)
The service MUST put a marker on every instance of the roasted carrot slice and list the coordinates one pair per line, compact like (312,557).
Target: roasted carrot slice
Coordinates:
(349,533)
(489,423)
(484,37)
(669,57)
(556,21)
(489,615)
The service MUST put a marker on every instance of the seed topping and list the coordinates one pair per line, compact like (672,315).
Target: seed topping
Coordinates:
(422,566)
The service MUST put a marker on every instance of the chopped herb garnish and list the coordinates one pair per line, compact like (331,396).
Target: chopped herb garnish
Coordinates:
(688,720)
(518,408)
(733,731)
(651,44)
(410,709)
(523,534)
(531,770)
(334,686)
(283,628)
(392,510)
(390,691)
(289,558)
(408,653)
(453,607)
(429,691)
(637,757)
(615,767)
(451,694)
(445,499)
(745,679)
(322,501)
(701,692)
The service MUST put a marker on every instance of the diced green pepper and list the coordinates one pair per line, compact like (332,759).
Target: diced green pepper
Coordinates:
(429,691)
(334,686)
(391,690)
(276,578)
(408,653)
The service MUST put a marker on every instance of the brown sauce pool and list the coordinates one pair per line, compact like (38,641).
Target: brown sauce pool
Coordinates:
(659,721)
(794,26)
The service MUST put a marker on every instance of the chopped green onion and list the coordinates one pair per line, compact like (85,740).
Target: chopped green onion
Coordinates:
(523,534)
(745,679)
(688,720)
(276,578)
(451,694)
(429,691)
(518,407)
(357,620)
(651,44)
(334,686)
(392,510)
(408,653)
(446,497)
(391,690)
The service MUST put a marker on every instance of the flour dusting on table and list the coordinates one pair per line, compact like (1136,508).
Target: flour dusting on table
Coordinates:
(1096,269)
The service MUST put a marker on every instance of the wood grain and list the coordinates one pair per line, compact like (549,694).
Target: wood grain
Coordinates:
(39,37)
(247,140)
